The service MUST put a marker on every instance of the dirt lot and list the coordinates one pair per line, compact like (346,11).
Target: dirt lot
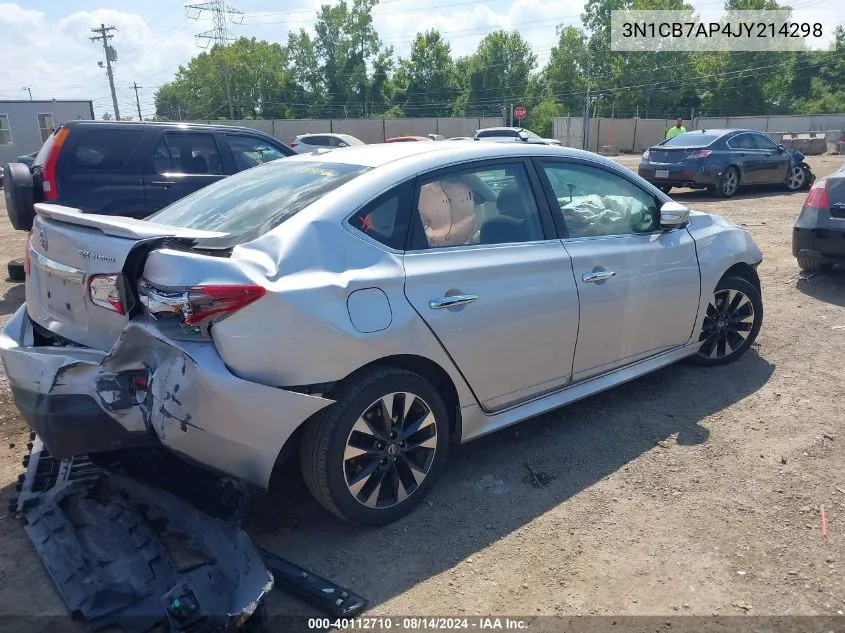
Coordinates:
(691,491)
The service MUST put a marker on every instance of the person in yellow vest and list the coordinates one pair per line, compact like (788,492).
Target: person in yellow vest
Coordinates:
(678,129)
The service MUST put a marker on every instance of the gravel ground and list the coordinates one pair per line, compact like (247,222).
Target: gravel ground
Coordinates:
(690,491)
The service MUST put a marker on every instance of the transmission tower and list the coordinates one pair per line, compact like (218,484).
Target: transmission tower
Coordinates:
(222,14)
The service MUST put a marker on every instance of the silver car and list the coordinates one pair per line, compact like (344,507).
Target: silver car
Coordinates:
(305,143)
(368,308)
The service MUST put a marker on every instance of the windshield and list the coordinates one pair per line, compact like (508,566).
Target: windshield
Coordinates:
(489,133)
(258,199)
(691,139)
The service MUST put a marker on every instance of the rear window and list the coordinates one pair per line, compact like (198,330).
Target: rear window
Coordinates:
(254,201)
(98,150)
(488,133)
(691,139)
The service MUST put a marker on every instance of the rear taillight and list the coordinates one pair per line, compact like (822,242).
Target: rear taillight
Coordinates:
(293,144)
(195,309)
(818,197)
(49,184)
(27,265)
(645,155)
(699,153)
(105,291)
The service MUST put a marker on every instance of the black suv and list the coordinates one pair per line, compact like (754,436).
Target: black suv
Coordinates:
(131,169)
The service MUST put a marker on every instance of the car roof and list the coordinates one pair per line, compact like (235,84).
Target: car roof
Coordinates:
(500,129)
(164,124)
(379,154)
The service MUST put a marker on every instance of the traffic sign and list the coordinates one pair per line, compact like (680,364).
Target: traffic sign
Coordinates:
(519,113)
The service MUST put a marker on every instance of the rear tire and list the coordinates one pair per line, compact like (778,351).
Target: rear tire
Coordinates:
(731,324)
(16,270)
(813,266)
(728,183)
(371,457)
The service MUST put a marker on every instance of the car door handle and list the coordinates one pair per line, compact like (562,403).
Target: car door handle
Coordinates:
(451,301)
(162,183)
(601,275)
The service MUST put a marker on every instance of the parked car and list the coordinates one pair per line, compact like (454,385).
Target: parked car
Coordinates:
(304,143)
(131,169)
(460,138)
(351,306)
(406,139)
(722,161)
(512,135)
(818,238)
(436,137)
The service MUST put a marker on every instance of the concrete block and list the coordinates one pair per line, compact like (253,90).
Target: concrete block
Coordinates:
(833,136)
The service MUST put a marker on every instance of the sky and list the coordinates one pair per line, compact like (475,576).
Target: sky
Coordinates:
(45,45)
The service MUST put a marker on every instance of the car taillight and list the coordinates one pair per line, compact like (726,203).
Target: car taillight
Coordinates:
(105,291)
(699,153)
(50,185)
(645,155)
(27,265)
(818,197)
(195,309)
(293,144)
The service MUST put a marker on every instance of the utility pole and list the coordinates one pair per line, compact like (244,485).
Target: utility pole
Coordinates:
(29,90)
(136,87)
(111,56)
(221,13)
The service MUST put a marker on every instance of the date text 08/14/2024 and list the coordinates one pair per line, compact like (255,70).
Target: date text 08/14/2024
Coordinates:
(418,623)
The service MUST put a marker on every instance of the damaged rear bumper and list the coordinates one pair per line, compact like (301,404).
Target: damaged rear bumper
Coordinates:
(81,400)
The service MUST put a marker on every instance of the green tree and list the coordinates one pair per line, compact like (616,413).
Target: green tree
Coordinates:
(498,73)
(425,81)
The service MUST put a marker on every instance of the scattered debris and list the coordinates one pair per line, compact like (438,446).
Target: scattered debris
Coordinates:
(663,443)
(753,224)
(742,605)
(824,521)
(783,460)
(538,478)
(828,436)
(740,573)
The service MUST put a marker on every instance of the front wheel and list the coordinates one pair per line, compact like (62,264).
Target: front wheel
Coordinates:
(372,456)
(731,323)
(797,179)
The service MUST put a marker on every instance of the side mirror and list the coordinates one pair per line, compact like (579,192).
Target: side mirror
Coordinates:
(342,144)
(781,148)
(673,215)
(523,135)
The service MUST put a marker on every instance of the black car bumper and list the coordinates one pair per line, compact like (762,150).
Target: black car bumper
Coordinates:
(677,176)
(819,235)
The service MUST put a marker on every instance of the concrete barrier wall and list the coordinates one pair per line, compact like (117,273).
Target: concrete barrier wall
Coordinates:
(368,130)
(635,135)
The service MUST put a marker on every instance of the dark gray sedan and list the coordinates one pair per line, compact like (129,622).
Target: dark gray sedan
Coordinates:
(722,161)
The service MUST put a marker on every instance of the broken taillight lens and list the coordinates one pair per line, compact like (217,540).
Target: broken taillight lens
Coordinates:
(195,308)
(105,291)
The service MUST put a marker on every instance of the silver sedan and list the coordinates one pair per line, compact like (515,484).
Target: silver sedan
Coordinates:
(368,307)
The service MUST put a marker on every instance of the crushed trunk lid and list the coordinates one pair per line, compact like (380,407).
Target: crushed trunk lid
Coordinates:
(68,249)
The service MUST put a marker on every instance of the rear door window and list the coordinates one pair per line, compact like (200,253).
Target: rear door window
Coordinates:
(249,151)
(187,153)
(742,141)
(97,150)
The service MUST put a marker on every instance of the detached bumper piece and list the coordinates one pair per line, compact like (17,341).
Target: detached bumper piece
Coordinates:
(122,553)
(128,554)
